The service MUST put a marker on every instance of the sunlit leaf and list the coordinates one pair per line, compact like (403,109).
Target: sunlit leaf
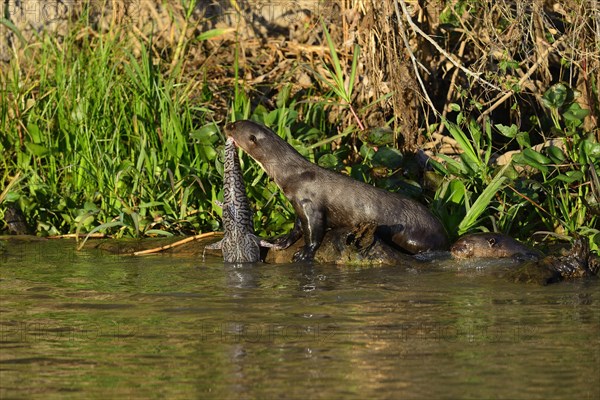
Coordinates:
(213,33)
(328,161)
(555,96)
(508,131)
(483,201)
(388,157)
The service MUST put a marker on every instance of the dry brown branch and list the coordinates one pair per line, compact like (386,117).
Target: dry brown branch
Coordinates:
(525,77)
(13,181)
(413,59)
(176,244)
(79,236)
(461,51)
(447,55)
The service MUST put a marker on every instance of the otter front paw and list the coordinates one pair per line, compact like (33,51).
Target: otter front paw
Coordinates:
(282,243)
(304,254)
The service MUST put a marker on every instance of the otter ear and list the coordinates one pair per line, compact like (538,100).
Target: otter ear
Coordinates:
(492,242)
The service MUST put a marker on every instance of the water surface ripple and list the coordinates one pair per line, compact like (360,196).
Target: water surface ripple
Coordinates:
(90,324)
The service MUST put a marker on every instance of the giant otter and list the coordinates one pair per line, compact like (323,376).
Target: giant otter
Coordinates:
(325,199)
(491,245)
(578,262)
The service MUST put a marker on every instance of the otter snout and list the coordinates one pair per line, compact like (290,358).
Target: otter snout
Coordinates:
(461,249)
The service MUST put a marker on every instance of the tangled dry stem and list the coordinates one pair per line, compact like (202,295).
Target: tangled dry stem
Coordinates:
(490,57)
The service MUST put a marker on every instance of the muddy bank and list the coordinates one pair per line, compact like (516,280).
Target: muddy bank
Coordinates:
(357,246)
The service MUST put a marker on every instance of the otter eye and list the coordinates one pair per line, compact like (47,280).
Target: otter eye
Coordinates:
(253,138)
(492,242)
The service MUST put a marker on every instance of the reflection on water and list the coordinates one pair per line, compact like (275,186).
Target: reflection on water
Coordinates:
(75,323)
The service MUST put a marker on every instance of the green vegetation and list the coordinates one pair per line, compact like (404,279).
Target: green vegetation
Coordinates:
(102,133)
(551,189)
(102,137)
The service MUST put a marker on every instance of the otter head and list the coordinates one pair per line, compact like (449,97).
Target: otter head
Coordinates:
(263,145)
(478,245)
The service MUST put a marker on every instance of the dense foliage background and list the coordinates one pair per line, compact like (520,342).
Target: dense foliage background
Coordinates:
(111,112)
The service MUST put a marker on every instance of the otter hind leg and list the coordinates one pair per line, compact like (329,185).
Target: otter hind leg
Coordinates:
(416,242)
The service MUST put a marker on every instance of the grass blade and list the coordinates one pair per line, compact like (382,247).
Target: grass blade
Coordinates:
(483,201)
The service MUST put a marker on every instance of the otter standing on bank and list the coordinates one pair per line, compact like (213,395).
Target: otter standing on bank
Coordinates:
(325,199)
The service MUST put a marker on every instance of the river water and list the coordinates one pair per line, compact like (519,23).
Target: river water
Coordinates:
(95,325)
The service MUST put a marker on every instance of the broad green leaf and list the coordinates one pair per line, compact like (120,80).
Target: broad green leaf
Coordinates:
(213,33)
(36,149)
(11,197)
(454,107)
(377,136)
(328,161)
(439,167)
(366,152)
(575,114)
(475,131)
(482,202)
(556,155)
(537,156)
(523,139)
(571,176)
(457,191)
(592,149)
(388,157)
(555,96)
(508,131)
(34,132)
(464,143)
(204,134)
(453,166)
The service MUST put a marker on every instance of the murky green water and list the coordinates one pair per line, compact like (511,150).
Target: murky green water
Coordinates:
(88,324)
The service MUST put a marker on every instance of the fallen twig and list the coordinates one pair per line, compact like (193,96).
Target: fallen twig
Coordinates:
(176,244)
(12,182)
(79,235)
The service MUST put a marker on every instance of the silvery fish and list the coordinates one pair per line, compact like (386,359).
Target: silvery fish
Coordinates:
(239,243)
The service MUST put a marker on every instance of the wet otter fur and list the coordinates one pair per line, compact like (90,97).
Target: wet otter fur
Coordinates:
(325,199)
(577,263)
(491,245)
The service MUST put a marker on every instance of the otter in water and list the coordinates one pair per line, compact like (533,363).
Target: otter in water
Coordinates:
(325,199)
(239,243)
(491,245)
(577,263)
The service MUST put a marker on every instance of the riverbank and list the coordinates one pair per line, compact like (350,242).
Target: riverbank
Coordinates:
(111,119)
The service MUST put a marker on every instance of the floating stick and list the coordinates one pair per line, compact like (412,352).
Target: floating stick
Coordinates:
(178,243)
